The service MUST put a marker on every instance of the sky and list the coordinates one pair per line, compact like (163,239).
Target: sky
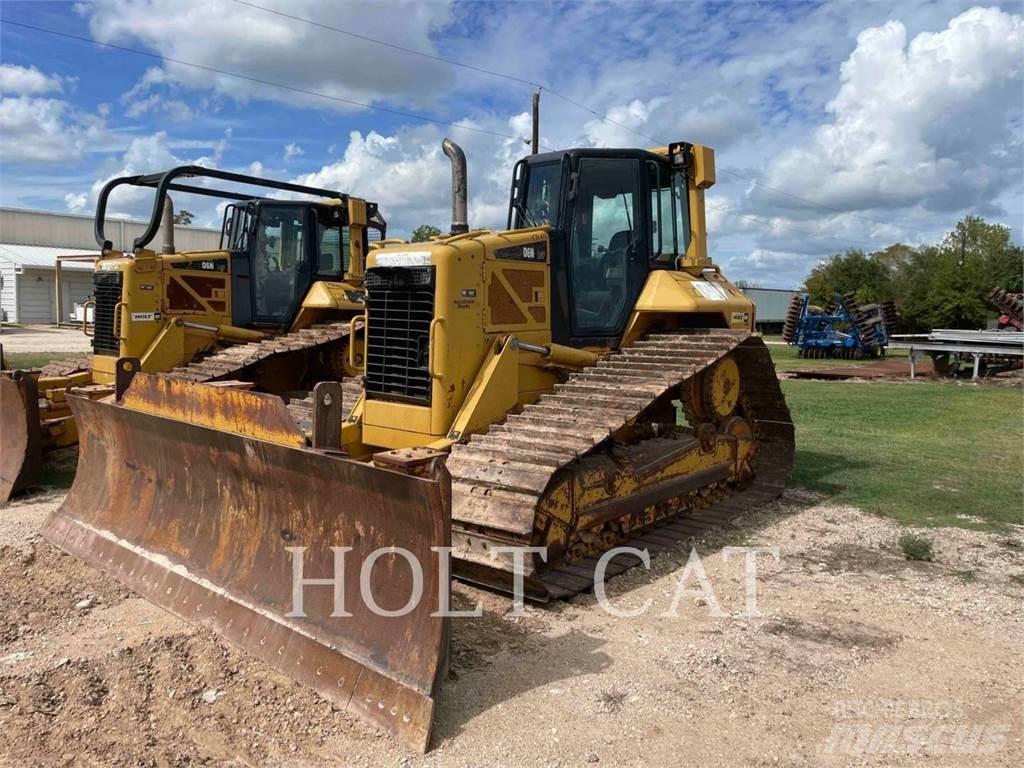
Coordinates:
(836,125)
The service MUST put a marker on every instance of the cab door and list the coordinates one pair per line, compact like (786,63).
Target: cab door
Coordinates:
(281,263)
(608,246)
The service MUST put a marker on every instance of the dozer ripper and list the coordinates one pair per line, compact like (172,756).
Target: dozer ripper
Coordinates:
(273,305)
(532,398)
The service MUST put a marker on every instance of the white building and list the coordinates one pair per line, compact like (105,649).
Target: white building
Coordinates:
(31,241)
(771,306)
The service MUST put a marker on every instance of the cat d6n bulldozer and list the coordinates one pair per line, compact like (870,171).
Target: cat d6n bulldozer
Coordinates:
(532,397)
(271,306)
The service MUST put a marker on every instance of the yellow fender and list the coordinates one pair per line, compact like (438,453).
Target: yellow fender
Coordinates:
(494,392)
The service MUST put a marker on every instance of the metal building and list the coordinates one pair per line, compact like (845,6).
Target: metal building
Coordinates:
(771,306)
(31,243)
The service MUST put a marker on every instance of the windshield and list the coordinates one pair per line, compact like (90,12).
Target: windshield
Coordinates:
(543,183)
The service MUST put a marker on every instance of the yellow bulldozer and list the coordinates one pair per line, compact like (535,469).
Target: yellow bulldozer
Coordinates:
(531,398)
(272,305)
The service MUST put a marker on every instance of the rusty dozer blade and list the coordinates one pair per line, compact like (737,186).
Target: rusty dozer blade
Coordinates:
(214,513)
(21,452)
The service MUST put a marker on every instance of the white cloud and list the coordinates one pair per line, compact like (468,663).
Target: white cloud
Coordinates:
(27,80)
(293,150)
(151,154)
(174,110)
(407,174)
(928,123)
(75,201)
(264,46)
(899,126)
(410,177)
(610,133)
(43,130)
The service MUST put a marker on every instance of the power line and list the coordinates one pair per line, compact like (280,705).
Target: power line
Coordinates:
(261,81)
(424,118)
(601,116)
(395,46)
(452,62)
(777,224)
(778,191)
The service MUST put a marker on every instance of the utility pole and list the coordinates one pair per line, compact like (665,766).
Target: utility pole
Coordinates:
(535,144)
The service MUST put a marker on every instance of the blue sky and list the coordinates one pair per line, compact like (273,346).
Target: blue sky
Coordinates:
(836,124)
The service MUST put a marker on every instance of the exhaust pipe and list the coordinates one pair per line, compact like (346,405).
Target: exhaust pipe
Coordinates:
(460,195)
(168,226)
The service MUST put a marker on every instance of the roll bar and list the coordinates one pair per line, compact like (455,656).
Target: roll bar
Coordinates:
(165,182)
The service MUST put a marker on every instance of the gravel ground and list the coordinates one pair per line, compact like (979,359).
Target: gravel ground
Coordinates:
(44,338)
(859,658)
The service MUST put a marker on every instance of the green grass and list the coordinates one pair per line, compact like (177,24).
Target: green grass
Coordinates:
(35,359)
(917,547)
(924,454)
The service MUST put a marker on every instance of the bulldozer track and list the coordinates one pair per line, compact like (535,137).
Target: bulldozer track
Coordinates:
(301,409)
(232,361)
(68,366)
(512,464)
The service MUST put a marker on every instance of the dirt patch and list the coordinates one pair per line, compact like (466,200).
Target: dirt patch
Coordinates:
(847,638)
(45,591)
(179,700)
(37,338)
(850,634)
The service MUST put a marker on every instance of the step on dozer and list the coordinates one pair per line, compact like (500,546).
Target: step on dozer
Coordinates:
(200,498)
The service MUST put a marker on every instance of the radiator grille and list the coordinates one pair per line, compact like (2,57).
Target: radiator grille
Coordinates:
(106,287)
(399,309)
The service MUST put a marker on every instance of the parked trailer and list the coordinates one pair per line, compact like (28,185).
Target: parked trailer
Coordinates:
(986,352)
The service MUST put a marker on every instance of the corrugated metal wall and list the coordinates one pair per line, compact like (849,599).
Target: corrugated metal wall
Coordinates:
(77,287)
(771,303)
(30,297)
(76,232)
(36,299)
(8,291)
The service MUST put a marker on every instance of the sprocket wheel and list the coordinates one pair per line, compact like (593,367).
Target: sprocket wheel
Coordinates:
(335,362)
(721,389)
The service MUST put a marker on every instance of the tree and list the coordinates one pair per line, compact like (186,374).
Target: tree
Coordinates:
(972,260)
(868,276)
(934,286)
(183,217)
(741,284)
(424,232)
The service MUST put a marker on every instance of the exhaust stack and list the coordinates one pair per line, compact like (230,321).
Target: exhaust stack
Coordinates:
(460,195)
(168,226)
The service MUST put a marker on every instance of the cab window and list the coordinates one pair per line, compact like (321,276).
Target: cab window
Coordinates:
(603,241)
(670,219)
(334,250)
(279,263)
(543,186)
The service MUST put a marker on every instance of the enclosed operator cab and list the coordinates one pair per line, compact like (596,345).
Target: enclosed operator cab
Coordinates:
(616,216)
(281,265)
(279,249)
